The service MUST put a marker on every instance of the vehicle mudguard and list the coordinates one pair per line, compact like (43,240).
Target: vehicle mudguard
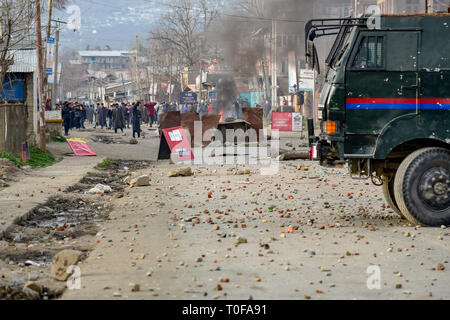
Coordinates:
(409,127)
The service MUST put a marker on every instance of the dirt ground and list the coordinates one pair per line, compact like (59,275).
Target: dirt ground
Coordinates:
(305,233)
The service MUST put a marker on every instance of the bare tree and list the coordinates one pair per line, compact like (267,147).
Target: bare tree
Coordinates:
(255,8)
(15,23)
(74,77)
(182,29)
(59,4)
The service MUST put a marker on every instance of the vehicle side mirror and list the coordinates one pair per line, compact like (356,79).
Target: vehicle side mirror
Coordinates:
(312,58)
(310,47)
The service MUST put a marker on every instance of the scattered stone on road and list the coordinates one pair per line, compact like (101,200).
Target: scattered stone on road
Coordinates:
(183,172)
(141,181)
(62,261)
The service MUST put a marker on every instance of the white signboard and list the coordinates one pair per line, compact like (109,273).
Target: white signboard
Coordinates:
(50,58)
(297,122)
(53,115)
(306,82)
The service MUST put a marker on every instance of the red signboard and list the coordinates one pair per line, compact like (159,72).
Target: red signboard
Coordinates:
(287,121)
(178,143)
(81,148)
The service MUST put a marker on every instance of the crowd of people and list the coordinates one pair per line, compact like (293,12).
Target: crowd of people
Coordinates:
(120,116)
(117,116)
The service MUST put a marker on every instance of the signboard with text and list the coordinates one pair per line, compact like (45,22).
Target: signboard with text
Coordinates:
(306,82)
(178,143)
(81,148)
(287,121)
(188,98)
(50,56)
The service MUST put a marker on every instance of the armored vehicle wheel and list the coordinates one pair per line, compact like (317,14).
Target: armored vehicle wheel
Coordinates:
(388,192)
(422,187)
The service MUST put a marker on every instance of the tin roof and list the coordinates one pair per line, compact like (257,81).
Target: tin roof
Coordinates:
(96,53)
(24,61)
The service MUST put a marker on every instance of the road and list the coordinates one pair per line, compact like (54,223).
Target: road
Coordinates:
(304,233)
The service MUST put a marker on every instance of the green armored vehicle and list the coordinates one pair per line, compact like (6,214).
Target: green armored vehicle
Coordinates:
(385,108)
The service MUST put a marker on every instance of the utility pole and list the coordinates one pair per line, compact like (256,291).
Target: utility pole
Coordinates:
(40,74)
(429,6)
(60,87)
(148,83)
(48,34)
(170,79)
(266,78)
(50,12)
(138,76)
(89,92)
(274,65)
(153,84)
(356,8)
(55,71)
(123,83)
(56,66)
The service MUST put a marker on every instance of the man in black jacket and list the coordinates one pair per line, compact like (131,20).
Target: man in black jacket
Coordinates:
(136,120)
(66,111)
(83,116)
(77,117)
(126,115)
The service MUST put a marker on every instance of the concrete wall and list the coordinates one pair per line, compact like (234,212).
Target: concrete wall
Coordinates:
(13,128)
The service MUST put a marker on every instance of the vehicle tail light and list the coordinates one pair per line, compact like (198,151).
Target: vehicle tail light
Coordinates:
(331,127)
(313,153)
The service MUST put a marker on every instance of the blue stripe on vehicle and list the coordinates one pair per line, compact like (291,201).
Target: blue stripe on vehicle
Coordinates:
(396,106)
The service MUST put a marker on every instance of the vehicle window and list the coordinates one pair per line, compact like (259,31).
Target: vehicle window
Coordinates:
(370,53)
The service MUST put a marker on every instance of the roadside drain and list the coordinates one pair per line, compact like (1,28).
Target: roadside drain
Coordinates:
(114,181)
(61,217)
(67,221)
(125,166)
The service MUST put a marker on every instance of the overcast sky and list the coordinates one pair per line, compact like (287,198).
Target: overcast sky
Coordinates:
(111,22)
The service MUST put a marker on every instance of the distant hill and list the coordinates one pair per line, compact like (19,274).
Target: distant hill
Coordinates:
(114,23)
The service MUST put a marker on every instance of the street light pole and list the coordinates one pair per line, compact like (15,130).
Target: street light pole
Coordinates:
(274,64)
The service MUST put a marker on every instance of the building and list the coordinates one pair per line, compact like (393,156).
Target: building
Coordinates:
(19,112)
(96,60)
(410,6)
(123,92)
(101,69)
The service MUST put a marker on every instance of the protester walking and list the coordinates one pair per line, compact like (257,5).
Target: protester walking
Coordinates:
(66,113)
(118,119)
(90,114)
(151,113)
(101,115)
(136,120)
(83,116)
(109,117)
(77,117)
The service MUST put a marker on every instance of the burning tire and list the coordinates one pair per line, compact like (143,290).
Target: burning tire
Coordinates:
(422,187)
